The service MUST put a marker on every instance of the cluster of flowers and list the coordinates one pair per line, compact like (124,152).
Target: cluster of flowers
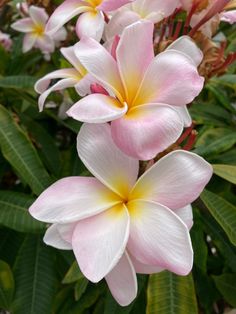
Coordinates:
(119,223)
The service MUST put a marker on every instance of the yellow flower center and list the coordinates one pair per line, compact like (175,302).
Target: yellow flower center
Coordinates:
(38,30)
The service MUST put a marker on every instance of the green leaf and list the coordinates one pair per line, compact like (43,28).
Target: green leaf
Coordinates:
(168,293)
(80,287)
(34,278)
(14,212)
(18,82)
(218,146)
(7,286)
(226,285)
(226,172)
(73,274)
(21,154)
(223,211)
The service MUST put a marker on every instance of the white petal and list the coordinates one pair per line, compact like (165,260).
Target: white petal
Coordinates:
(53,238)
(175,181)
(185,214)
(158,237)
(104,160)
(99,242)
(71,199)
(90,24)
(122,281)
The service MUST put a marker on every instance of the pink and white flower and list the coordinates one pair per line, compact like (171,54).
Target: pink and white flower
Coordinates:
(91,21)
(146,89)
(5,41)
(36,36)
(150,10)
(76,77)
(228,16)
(117,224)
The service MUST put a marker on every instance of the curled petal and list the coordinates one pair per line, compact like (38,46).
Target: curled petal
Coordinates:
(186,215)
(175,181)
(158,237)
(97,108)
(98,62)
(42,84)
(65,12)
(99,242)
(53,238)
(69,54)
(147,130)
(71,199)
(122,281)
(105,160)
(184,114)
(187,46)
(90,24)
(62,84)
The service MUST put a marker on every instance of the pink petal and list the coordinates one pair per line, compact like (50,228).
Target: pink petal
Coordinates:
(71,199)
(122,281)
(65,12)
(83,86)
(28,42)
(184,114)
(228,16)
(69,54)
(62,84)
(186,215)
(172,79)
(53,238)
(175,181)
(98,62)
(60,35)
(155,11)
(133,62)
(38,15)
(187,46)
(97,108)
(99,242)
(159,238)
(104,160)
(42,84)
(90,24)
(147,130)
(45,44)
(141,268)
(111,5)
(119,21)
(24,25)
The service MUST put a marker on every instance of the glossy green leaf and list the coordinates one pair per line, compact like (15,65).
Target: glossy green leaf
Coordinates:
(17,82)
(171,294)
(223,211)
(21,154)
(226,285)
(14,212)
(7,285)
(226,172)
(34,277)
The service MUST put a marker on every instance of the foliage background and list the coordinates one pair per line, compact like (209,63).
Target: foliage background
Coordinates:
(37,149)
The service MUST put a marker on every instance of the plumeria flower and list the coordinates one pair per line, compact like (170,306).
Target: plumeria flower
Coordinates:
(76,77)
(91,20)
(5,41)
(154,11)
(145,90)
(117,224)
(34,27)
